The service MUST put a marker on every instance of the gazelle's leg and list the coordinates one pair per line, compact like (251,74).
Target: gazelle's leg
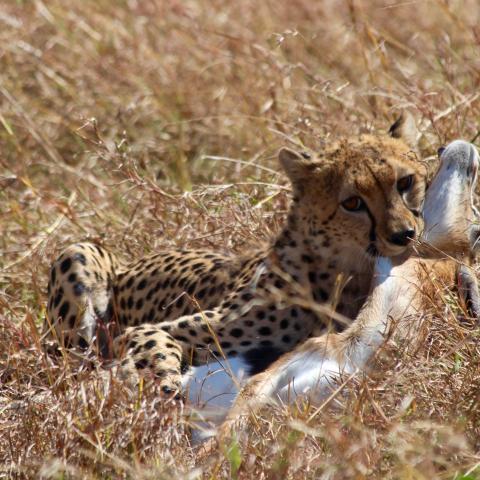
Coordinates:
(450,216)
(397,289)
(320,361)
(449,211)
(319,365)
(467,286)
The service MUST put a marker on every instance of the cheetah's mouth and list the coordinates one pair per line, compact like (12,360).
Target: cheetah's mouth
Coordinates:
(389,250)
(372,251)
(385,251)
(381,248)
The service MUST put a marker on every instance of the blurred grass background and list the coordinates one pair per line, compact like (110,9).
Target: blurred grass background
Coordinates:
(142,124)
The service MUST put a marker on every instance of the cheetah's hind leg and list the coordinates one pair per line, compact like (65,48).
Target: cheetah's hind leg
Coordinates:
(80,297)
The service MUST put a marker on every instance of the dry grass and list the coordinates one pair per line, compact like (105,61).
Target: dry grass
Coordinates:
(148,123)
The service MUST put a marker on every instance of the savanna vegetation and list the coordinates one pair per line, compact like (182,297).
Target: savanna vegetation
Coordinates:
(141,124)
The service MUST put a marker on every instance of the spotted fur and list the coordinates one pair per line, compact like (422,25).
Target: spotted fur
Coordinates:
(404,293)
(178,307)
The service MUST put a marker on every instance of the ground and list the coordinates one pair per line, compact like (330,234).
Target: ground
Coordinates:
(147,124)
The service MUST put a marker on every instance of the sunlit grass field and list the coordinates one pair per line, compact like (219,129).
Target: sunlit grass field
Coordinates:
(145,124)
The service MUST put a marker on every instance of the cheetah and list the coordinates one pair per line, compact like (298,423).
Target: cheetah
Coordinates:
(402,292)
(355,200)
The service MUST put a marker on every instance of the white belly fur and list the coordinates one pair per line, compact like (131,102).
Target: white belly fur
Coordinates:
(211,390)
(309,374)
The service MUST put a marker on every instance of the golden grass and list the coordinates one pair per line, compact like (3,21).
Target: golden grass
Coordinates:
(148,123)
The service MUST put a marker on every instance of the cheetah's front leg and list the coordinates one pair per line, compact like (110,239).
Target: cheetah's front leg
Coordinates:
(152,351)
(168,349)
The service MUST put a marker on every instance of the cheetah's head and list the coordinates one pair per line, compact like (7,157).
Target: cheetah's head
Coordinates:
(361,194)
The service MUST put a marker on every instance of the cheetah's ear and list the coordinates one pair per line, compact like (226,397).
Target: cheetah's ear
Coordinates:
(405,128)
(297,165)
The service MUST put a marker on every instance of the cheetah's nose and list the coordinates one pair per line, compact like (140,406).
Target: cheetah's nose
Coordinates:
(403,238)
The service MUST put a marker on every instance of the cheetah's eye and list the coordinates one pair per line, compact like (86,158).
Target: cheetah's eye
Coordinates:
(405,183)
(353,204)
